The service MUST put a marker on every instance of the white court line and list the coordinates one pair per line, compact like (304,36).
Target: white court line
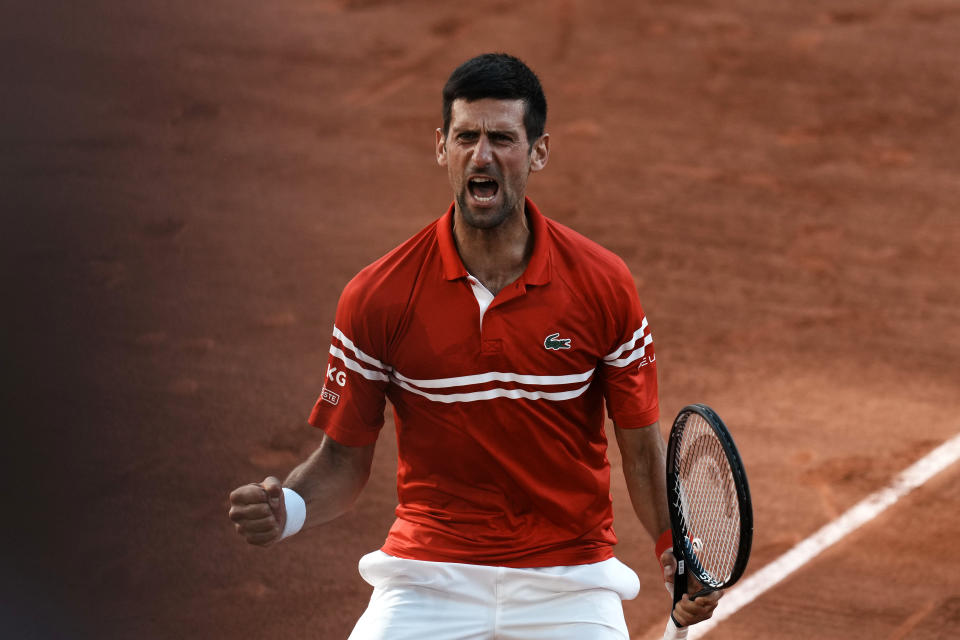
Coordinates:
(867,509)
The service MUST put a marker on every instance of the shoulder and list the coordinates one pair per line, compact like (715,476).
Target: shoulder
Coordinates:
(387,280)
(375,302)
(578,259)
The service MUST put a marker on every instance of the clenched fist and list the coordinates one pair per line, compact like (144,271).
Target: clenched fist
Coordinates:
(258,511)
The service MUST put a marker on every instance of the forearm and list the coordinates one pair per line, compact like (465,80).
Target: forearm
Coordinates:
(643,452)
(331,479)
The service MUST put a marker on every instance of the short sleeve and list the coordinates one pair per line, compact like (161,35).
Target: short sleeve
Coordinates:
(351,403)
(629,369)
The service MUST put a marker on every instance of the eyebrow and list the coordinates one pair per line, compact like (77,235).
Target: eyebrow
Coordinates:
(508,133)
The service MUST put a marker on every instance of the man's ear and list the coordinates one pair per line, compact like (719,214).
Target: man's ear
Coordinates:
(540,152)
(441,148)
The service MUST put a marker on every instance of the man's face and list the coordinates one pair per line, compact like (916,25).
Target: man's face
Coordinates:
(489,159)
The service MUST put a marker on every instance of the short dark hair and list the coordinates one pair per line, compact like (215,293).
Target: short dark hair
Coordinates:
(500,76)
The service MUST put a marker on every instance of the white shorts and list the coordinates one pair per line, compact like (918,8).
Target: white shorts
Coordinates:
(418,600)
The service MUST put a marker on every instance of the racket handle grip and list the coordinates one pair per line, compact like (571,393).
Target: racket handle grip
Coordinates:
(679,586)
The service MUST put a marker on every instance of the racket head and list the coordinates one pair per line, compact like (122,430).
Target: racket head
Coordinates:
(709,501)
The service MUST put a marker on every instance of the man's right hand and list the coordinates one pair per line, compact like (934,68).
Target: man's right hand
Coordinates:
(687,611)
(258,511)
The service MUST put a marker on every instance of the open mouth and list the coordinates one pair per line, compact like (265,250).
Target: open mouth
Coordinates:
(483,189)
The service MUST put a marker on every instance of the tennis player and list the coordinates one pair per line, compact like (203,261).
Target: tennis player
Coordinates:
(498,335)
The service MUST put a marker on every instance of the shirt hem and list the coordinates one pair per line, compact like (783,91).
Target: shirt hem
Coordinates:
(529,561)
(347,437)
(637,420)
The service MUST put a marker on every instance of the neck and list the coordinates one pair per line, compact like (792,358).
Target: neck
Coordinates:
(496,256)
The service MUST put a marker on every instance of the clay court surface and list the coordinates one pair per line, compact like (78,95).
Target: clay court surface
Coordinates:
(188,186)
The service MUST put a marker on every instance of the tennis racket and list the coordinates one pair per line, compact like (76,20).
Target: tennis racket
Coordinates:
(709,502)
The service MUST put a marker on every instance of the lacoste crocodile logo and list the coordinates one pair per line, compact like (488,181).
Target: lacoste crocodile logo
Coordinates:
(554,342)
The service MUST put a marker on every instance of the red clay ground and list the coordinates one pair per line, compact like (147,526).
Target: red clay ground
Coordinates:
(188,186)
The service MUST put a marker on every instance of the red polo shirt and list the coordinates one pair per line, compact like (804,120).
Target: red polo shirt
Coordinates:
(499,416)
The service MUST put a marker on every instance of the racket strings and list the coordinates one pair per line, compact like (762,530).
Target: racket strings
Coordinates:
(708,502)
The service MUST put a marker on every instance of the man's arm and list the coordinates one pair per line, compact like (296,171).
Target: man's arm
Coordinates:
(329,482)
(644,468)
(644,455)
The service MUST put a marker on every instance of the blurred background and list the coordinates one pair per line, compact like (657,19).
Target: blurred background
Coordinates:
(186,188)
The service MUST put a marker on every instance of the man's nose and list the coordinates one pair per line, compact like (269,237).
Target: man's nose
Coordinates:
(483,152)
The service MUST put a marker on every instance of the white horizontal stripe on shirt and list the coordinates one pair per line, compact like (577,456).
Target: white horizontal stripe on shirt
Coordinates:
(636,355)
(348,343)
(354,366)
(490,394)
(495,376)
(417,386)
(629,344)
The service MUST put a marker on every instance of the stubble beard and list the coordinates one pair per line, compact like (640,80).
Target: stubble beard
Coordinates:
(487,220)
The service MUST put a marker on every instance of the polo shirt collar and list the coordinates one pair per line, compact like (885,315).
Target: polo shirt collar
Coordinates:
(538,269)
(452,264)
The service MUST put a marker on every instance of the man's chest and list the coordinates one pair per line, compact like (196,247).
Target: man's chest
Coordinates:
(536,332)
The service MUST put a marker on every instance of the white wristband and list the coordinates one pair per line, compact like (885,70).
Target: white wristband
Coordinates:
(296,512)
(673,632)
